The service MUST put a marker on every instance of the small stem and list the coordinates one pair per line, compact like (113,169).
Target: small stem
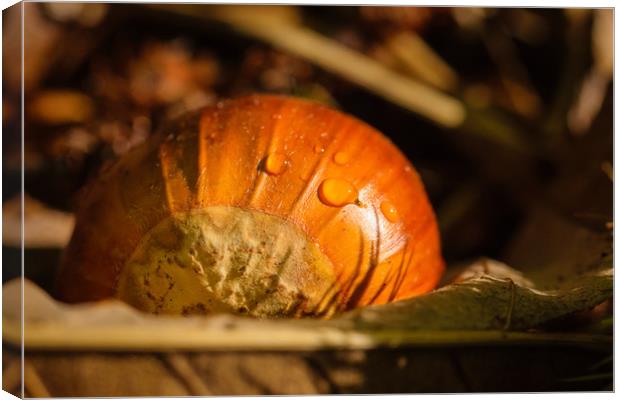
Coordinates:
(513,290)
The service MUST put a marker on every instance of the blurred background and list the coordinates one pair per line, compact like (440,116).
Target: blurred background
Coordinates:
(506,113)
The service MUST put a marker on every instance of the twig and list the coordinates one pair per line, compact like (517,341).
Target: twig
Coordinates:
(511,305)
(603,362)
(574,67)
(513,74)
(263,24)
(422,61)
(12,376)
(272,26)
(184,370)
(589,378)
(33,383)
(276,337)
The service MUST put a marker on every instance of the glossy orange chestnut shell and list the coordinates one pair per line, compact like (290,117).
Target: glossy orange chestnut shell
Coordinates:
(340,183)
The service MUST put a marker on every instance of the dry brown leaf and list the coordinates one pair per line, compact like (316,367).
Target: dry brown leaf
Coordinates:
(43,227)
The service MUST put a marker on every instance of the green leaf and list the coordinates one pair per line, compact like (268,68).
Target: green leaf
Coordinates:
(487,303)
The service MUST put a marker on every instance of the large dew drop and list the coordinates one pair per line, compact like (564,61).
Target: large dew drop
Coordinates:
(389,211)
(341,158)
(337,192)
(275,164)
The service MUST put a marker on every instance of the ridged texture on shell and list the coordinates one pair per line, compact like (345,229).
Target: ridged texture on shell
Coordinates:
(218,157)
